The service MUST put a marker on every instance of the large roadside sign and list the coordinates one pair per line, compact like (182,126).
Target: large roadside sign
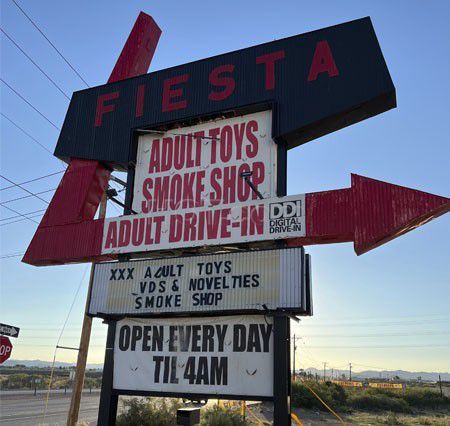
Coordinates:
(204,145)
(229,356)
(247,281)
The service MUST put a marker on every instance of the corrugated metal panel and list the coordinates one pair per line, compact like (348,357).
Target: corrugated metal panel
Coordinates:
(125,287)
(308,109)
(397,210)
(369,213)
(67,232)
(139,49)
(82,187)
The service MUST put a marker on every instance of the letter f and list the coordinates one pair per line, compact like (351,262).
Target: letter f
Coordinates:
(102,108)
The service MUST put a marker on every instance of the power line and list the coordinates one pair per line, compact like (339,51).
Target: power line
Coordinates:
(34,63)
(22,130)
(51,44)
(20,220)
(20,214)
(26,214)
(24,189)
(29,103)
(71,306)
(7,256)
(328,320)
(437,345)
(426,333)
(27,196)
(33,180)
(375,324)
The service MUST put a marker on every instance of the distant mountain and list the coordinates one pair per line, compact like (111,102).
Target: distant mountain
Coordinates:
(368,374)
(45,364)
(385,374)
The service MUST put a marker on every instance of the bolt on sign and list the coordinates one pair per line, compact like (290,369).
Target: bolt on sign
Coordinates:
(229,355)
(260,280)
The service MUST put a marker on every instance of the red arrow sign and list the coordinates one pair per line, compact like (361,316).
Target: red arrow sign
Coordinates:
(70,213)
(370,213)
(5,349)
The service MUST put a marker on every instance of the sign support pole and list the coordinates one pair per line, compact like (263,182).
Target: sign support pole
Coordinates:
(74,409)
(281,372)
(107,410)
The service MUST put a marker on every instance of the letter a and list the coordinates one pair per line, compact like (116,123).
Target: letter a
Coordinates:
(322,62)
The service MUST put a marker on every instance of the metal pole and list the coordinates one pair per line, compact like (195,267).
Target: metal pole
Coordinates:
(107,410)
(78,382)
(293,362)
(281,373)
(324,369)
(350,366)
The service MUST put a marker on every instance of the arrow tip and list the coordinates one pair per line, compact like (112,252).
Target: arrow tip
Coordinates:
(384,211)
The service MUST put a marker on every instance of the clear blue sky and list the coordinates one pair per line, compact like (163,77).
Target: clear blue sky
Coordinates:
(388,308)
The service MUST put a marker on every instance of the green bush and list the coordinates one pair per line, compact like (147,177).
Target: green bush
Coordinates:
(425,398)
(216,416)
(144,412)
(333,394)
(378,402)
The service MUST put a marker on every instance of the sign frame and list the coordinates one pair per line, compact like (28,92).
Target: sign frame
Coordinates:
(305,289)
(109,393)
(203,395)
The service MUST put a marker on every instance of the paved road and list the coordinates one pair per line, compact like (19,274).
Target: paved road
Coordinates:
(27,410)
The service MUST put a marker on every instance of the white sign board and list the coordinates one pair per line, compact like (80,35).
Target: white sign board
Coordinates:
(231,355)
(190,189)
(251,280)
(200,166)
(268,219)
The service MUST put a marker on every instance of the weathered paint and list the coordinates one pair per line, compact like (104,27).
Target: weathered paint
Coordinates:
(67,232)
(226,282)
(369,213)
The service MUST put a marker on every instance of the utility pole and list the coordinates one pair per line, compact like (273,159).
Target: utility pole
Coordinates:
(295,353)
(440,384)
(324,369)
(350,366)
(72,418)
(332,373)
(293,361)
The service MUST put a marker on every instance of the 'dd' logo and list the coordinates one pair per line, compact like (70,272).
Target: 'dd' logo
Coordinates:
(285,217)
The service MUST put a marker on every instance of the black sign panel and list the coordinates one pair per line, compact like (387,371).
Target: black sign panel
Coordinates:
(316,83)
(9,330)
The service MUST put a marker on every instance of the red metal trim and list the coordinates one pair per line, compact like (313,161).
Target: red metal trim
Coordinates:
(137,54)
(369,213)
(67,232)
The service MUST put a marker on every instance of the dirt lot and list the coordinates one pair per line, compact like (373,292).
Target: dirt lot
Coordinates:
(315,418)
